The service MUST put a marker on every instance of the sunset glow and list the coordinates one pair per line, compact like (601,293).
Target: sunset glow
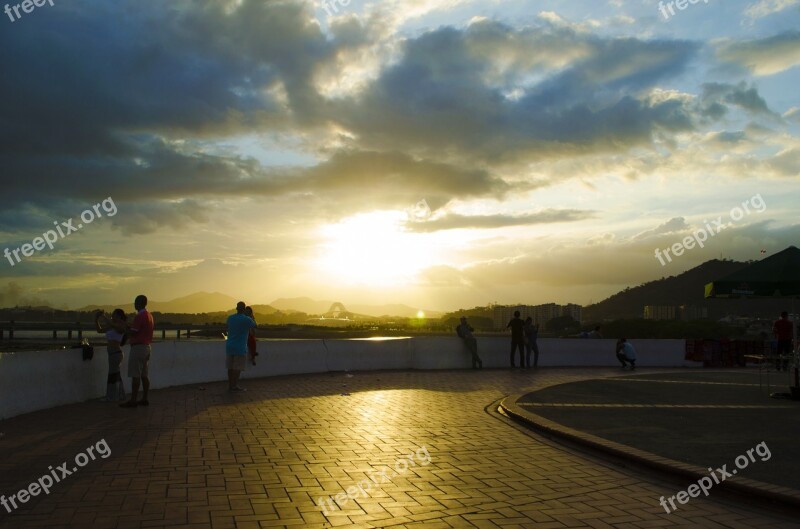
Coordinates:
(437,154)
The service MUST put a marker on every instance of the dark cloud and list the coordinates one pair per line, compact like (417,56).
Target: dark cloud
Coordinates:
(395,178)
(717,96)
(454,221)
(730,137)
(127,109)
(445,98)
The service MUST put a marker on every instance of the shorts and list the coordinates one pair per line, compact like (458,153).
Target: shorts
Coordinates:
(235,362)
(138,360)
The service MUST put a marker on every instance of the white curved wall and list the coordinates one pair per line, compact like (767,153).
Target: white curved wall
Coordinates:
(35,380)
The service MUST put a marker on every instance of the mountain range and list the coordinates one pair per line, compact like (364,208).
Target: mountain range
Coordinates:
(203,302)
(686,289)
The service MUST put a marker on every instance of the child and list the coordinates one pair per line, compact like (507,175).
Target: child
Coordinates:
(251,338)
(114,330)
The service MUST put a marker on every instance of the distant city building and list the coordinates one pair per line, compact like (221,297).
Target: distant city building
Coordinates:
(690,312)
(571,309)
(671,312)
(660,312)
(541,314)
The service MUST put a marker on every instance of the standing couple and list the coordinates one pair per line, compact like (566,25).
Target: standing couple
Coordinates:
(241,343)
(140,335)
(523,336)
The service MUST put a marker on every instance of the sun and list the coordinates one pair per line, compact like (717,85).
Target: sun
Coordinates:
(373,249)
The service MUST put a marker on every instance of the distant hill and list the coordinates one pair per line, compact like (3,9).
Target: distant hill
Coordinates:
(261,309)
(302,304)
(196,303)
(215,302)
(684,289)
(315,306)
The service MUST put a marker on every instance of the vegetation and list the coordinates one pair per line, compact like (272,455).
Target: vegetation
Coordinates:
(641,328)
(687,288)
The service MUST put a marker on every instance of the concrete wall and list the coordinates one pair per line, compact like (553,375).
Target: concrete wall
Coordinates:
(38,380)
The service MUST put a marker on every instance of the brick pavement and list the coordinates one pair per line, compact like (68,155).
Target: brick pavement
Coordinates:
(199,458)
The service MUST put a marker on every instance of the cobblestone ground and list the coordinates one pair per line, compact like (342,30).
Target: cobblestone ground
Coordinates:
(425,448)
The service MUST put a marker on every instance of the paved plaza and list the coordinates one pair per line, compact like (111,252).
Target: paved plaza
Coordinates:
(422,449)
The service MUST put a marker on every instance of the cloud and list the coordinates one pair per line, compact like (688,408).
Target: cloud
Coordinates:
(453,115)
(673,225)
(764,8)
(494,95)
(717,97)
(786,163)
(233,129)
(793,114)
(763,57)
(453,221)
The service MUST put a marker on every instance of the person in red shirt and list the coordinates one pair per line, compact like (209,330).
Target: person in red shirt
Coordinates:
(141,336)
(784,333)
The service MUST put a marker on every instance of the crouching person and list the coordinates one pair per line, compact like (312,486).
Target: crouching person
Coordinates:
(626,353)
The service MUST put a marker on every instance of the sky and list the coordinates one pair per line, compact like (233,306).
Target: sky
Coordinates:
(444,154)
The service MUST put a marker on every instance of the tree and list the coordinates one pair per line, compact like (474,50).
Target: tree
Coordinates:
(561,323)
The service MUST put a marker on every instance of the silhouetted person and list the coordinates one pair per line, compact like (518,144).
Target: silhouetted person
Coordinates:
(517,338)
(464,331)
(239,326)
(626,353)
(595,333)
(141,336)
(252,353)
(114,330)
(784,333)
(531,334)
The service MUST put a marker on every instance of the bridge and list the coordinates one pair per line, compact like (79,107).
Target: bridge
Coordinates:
(338,311)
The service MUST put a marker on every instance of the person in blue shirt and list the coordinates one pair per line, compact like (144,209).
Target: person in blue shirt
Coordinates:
(239,326)
(626,353)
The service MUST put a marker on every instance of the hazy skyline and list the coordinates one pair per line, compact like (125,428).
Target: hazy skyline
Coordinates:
(436,153)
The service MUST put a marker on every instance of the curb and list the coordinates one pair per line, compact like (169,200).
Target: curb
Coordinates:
(774,494)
